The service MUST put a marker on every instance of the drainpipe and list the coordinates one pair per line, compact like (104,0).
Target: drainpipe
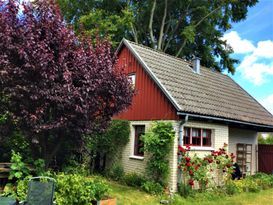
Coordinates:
(180,142)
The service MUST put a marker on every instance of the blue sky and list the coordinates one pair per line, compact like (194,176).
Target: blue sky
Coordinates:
(252,41)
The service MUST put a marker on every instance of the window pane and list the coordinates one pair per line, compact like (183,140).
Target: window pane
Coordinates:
(139,145)
(186,137)
(206,137)
(196,137)
(132,78)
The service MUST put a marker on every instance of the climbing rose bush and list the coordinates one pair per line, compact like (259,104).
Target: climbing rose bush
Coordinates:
(213,169)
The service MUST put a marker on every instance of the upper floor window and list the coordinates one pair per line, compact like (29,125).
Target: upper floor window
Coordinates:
(132,78)
(197,137)
(138,142)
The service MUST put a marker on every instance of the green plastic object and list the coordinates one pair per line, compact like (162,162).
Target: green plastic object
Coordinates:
(7,201)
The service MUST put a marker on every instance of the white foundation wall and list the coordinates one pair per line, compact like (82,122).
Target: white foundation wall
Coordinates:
(137,165)
(237,135)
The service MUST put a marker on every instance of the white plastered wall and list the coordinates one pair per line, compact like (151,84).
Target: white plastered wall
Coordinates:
(244,136)
(132,164)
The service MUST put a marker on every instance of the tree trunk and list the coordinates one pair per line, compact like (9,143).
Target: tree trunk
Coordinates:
(151,24)
(53,152)
(161,34)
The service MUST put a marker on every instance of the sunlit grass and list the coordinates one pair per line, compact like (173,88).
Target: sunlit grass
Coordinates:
(131,196)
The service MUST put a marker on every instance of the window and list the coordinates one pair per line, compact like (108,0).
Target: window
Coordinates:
(187,135)
(138,146)
(197,137)
(132,78)
(206,137)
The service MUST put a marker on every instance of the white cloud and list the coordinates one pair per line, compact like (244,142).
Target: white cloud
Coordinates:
(268,103)
(257,64)
(238,44)
(264,49)
(254,71)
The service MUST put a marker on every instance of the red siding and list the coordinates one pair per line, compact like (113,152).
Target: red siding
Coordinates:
(149,103)
(265,159)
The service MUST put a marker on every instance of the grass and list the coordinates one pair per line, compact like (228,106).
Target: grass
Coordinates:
(131,196)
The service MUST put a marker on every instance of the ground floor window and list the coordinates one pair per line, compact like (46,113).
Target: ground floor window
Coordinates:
(197,137)
(138,142)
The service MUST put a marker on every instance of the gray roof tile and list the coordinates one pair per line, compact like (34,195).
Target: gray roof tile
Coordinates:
(208,93)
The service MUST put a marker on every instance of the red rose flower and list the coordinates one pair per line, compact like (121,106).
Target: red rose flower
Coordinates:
(191,182)
(187,159)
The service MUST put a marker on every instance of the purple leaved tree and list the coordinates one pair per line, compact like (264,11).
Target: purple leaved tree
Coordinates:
(58,85)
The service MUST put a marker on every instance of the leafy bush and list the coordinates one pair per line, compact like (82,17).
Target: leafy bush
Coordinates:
(265,181)
(19,190)
(134,180)
(106,147)
(19,169)
(231,188)
(184,190)
(158,143)
(212,170)
(152,187)
(77,189)
(116,172)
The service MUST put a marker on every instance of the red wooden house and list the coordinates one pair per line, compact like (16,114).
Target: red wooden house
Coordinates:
(206,107)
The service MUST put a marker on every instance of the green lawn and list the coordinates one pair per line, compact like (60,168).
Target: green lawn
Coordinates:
(131,196)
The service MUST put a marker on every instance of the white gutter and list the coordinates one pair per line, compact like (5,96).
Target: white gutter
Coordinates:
(225,120)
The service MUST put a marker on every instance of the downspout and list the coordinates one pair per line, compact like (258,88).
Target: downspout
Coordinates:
(180,142)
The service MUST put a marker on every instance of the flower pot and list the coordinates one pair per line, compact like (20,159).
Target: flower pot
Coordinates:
(112,201)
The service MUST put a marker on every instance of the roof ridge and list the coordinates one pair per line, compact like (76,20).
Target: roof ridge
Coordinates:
(177,58)
(159,51)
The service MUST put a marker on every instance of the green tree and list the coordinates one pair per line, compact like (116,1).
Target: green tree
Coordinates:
(181,28)
(265,140)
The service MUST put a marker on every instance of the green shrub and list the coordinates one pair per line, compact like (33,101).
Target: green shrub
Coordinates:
(19,169)
(231,188)
(265,181)
(107,147)
(19,190)
(152,187)
(184,190)
(116,172)
(158,143)
(77,189)
(134,180)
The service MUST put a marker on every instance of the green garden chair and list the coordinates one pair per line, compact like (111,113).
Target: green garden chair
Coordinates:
(40,191)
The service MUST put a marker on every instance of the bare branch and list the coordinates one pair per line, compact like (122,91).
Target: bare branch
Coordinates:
(181,48)
(162,26)
(176,27)
(151,24)
(134,33)
(210,13)
(197,24)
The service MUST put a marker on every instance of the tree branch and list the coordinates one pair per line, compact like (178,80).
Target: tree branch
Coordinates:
(134,33)
(177,26)
(161,34)
(210,13)
(197,24)
(181,48)
(151,24)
